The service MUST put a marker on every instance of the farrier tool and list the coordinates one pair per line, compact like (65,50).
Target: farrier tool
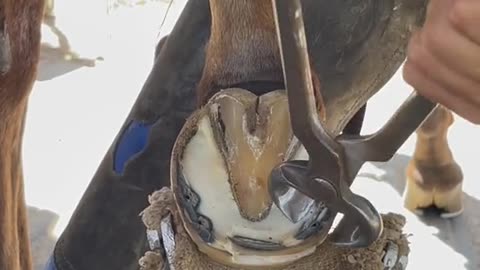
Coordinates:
(333,162)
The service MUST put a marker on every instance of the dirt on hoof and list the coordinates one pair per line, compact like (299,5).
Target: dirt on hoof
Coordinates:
(392,245)
(151,261)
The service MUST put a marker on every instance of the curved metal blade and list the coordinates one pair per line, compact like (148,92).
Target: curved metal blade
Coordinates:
(361,225)
(292,203)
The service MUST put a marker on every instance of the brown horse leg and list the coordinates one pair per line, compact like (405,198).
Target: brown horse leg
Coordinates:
(433,176)
(49,8)
(14,242)
(243,48)
(20,22)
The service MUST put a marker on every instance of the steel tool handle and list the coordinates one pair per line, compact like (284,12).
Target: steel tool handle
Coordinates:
(323,179)
(304,118)
(382,145)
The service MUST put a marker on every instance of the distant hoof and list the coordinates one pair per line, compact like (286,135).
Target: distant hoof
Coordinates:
(418,198)
(434,179)
(451,202)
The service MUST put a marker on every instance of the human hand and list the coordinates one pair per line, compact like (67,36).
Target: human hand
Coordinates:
(443,59)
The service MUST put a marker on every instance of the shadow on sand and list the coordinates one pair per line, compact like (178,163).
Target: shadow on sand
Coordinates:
(57,61)
(461,233)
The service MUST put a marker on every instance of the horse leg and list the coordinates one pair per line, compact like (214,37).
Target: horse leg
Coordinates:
(49,8)
(434,179)
(20,22)
(14,243)
(243,51)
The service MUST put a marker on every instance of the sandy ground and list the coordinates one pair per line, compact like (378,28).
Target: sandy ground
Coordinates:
(77,108)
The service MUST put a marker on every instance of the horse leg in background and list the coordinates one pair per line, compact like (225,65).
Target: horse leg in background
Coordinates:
(434,179)
(19,52)
(49,8)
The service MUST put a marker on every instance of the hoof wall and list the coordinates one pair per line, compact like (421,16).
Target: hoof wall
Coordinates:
(449,203)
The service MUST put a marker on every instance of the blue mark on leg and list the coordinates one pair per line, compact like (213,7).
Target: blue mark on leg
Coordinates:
(132,141)
(50,264)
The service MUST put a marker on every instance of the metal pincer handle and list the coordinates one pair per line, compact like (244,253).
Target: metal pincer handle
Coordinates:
(383,144)
(323,179)
(333,163)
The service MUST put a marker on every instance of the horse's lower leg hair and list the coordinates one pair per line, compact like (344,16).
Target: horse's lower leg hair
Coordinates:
(433,176)
(14,242)
(20,22)
(243,47)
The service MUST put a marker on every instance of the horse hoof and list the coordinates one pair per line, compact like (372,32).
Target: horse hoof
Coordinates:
(434,179)
(418,195)
(220,170)
(451,202)
(416,198)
